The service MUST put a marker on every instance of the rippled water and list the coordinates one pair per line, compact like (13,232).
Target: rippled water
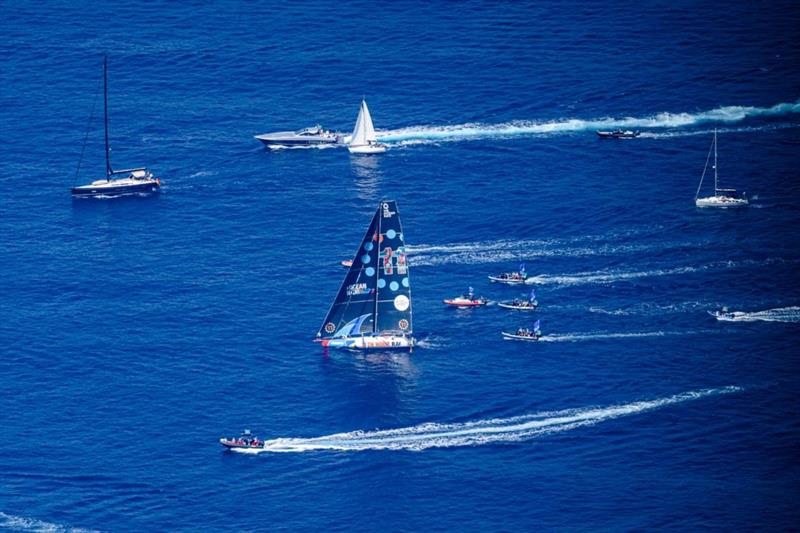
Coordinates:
(135,332)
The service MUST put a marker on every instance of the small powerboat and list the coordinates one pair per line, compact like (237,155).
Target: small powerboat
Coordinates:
(313,136)
(465,302)
(726,315)
(522,305)
(524,334)
(519,305)
(243,442)
(511,278)
(347,263)
(618,134)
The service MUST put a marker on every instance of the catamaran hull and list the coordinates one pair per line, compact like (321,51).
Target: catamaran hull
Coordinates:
(378,342)
(90,191)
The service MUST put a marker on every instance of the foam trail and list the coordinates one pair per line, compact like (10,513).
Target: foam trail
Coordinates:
(611,276)
(709,132)
(725,114)
(781,314)
(480,432)
(514,250)
(580,337)
(20,523)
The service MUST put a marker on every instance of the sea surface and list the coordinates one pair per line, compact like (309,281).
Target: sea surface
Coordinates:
(135,332)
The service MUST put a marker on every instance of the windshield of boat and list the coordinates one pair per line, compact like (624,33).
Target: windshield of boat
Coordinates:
(316,130)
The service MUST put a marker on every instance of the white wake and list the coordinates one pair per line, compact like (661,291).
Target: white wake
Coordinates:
(580,337)
(21,523)
(781,314)
(479,432)
(515,250)
(725,114)
(611,276)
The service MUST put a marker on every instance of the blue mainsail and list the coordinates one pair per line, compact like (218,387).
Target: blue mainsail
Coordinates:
(377,287)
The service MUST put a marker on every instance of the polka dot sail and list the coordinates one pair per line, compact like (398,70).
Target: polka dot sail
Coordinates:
(373,306)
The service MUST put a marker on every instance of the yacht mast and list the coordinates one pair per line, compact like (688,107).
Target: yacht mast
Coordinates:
(109,171)
(715,162)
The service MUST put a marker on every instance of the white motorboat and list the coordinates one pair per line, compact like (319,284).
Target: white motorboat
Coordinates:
(313,136)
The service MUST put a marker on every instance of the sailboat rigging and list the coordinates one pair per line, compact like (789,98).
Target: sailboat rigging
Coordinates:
(722,197)
(372,309)
(364,140)
(136,180)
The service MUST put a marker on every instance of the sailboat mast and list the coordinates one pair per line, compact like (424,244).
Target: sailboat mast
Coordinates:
(715,162)
(377,272)
(105,113)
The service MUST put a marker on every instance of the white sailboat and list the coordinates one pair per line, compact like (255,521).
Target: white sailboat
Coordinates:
(722,197)
(364,140)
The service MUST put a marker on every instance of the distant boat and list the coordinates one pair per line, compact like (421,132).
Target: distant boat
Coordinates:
(467,300)
(524,334)
(364,140)
(136,180)
(313,136)
(618,134)
(372,310)
(347,263)
(464,302)
(244,441)
(521,305)
(511,278)
(722,197)
(726,315)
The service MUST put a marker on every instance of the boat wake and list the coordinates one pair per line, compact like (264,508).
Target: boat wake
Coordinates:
(581,337)
(19,523)
(479,432)
(708,132)
(612,276)
(497,251)
(470,131)
(781,314)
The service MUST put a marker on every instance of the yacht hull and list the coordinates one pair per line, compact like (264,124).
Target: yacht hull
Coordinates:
(721,201)
(515,337)
(90,191)
(376,342)
(367,149)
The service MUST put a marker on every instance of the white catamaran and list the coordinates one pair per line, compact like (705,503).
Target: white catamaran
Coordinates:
(372,310)
(363,140)
(722,197)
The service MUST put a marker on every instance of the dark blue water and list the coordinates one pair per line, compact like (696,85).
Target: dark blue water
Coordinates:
(135,332)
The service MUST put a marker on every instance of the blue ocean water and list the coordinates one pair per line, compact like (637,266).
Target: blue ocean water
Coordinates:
(137,331)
